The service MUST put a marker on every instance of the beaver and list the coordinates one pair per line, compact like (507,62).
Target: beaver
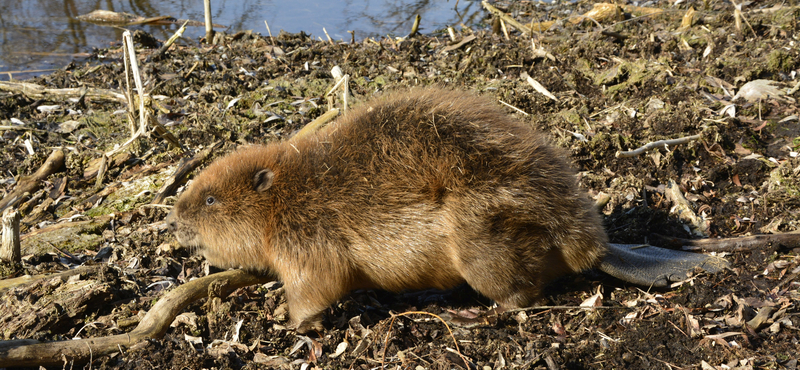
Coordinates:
(421,188)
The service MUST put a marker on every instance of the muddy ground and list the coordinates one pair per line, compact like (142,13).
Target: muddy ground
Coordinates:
(618,85)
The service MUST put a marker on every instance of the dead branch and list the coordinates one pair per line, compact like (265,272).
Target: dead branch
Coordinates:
(30,184)
(154,325)
(163,49)
(657,144)
(743,243)
(186,167)
(35,91)
(28,279)
(458,45)
(683,209)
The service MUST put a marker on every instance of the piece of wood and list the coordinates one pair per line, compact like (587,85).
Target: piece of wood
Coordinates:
(34,91)
(736,244)
(683,209)
(9,249)
(30,279)
(30,184)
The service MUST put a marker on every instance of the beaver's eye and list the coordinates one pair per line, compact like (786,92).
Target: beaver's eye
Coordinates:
(210,201)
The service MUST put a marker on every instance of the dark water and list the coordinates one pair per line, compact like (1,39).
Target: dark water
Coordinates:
(37,36)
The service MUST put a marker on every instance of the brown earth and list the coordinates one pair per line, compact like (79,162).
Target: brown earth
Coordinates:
(619,84)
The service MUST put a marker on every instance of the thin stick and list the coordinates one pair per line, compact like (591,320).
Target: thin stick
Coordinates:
(22,128)
(271,39)
(339,81)
(209,26)
(29,279)
(657,144)
(137,79)
(513,107)
(163,49)
(328,36)
(508,19)
(316,124)
(32,71)
(505,29)
(35,91)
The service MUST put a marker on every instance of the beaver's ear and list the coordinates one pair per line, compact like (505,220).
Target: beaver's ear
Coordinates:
(263,179)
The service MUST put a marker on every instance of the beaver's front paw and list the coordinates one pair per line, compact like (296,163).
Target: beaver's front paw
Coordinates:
(310,324)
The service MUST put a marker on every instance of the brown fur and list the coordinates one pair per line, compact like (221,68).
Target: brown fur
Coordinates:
(418,189)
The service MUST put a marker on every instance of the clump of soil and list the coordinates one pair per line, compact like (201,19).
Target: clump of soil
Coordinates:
(618,85)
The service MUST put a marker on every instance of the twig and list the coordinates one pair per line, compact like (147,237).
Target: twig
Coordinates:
(27,353)
(30,184)
(22,128)
(34,91)
(26,71)
(65,253)
(130,54)
(514,108)
(165,134)
(507,18)
(505,29)
(132,64)
(209,25)
(271,39)
(657,144)
(738,17)
(340,80)
(328,36)
(163,49)
(461,43)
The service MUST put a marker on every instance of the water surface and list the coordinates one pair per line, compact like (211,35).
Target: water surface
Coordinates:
(37,36)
